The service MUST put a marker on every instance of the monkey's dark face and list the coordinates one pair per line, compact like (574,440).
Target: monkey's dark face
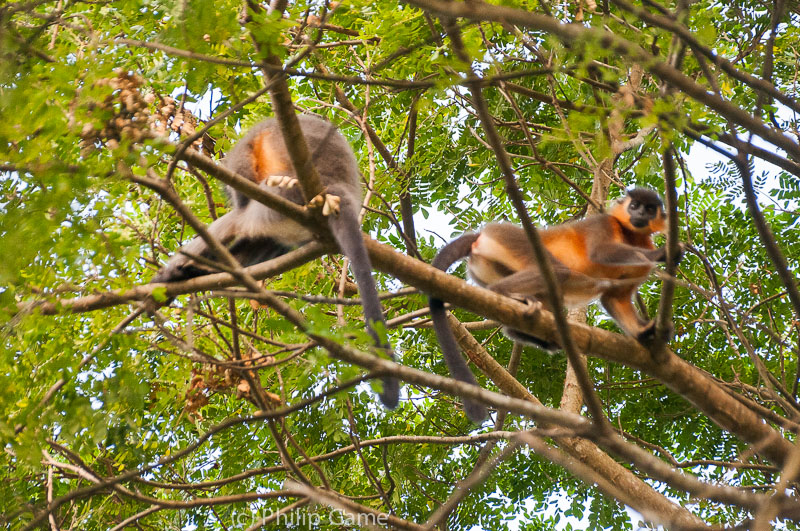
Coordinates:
(642,211)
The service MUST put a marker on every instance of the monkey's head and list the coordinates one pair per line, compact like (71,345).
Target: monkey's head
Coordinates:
(642,210)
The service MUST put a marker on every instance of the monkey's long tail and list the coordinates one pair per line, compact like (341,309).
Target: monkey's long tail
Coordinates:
(347,232)
(447,256)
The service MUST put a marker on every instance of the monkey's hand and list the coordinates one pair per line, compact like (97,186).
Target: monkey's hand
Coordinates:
(661,254)
(681,252)
(281,181)
(330,203)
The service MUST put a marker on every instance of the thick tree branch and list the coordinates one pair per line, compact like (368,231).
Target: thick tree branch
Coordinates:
(683,378)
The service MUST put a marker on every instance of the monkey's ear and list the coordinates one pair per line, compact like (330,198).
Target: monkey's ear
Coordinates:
(619,210)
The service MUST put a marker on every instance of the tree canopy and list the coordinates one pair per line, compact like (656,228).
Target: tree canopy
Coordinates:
(205,404)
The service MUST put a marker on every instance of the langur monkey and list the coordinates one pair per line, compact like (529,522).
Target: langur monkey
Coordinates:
(254,233)
(604,255)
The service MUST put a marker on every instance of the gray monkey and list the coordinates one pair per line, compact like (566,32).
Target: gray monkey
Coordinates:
(254,233)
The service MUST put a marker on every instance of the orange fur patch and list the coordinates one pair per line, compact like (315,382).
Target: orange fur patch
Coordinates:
(620,213)
(658,224)
(269,159)
(568,246)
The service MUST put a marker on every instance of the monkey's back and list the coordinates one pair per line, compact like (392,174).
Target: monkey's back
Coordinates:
(571,243)
(568,243)
(262,153)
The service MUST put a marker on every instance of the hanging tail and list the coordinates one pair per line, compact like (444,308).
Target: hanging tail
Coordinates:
(447,256)
(347,232)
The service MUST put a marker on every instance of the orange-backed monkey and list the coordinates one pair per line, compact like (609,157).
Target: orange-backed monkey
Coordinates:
(255,233)
(605,255)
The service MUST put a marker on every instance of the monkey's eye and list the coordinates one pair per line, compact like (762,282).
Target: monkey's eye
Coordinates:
(651,209)
(634,204)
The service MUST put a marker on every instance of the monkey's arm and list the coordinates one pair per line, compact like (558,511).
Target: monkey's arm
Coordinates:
(660,254)
(619,304)
(621,254)
(624,254)
(447,256)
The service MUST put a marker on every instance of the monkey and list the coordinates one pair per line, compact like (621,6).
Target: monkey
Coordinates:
(254,233)
(606,256)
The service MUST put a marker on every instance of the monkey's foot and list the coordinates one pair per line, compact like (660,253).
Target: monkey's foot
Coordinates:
(281,181)
(533,305)
(330,203)
(522,337)
(648,333)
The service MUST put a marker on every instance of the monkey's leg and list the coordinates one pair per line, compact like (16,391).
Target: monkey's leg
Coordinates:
(619,305)
(253,250)
(248,249)
(528,286)
(628,264)
(347,232)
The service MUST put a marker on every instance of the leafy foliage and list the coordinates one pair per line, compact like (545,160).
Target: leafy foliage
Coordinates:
(153,421)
